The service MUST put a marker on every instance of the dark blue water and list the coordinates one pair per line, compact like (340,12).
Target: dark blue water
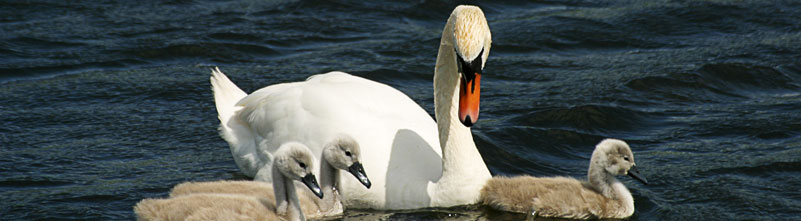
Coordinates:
(104,103)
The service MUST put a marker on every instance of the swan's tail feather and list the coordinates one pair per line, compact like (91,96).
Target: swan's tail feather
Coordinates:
(236,133)
(226,94)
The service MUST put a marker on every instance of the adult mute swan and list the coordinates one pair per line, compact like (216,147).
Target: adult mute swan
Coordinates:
(413,161)
(293,161)
(602,196)
(340,154)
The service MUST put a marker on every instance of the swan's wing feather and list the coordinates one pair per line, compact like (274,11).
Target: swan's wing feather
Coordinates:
(392,131)
(314,110)
(380,118)
(237,133)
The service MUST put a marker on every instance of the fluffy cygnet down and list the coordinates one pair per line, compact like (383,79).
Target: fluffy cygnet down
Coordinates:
(342,153)
(293,161)
(601,196)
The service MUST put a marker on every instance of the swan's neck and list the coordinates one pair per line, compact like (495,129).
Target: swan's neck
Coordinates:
(462,165)
(328,181)
(611,188)
(287,203)
(455,139)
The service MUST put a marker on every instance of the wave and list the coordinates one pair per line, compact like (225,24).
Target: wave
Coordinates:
(716,83)
(746,78)
(33,182)
(535,151)
(49,69)
(592,118)
(757,170)
(220,51)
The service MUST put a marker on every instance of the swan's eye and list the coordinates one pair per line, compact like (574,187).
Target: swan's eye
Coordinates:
(626,158)
(302,165)
(347,153)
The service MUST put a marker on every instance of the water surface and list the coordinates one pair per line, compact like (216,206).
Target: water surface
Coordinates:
(105,103)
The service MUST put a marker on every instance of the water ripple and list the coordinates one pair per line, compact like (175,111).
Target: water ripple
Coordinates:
(103,104)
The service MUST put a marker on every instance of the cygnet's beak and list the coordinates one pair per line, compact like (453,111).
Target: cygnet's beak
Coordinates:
(311,183)
(358,171)
(469,97)
(635,173)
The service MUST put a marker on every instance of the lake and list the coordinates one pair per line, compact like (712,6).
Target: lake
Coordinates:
(105,103)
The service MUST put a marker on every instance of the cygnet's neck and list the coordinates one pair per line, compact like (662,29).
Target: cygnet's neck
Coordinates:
(286,198)
(329,176)
(610,187)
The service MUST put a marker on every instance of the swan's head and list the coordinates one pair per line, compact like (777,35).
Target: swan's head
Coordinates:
(343,153)
(616,158)
(295,162)
(471,41)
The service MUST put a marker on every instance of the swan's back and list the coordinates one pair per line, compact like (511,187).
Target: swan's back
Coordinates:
(382,119)
(323,102)
(233,207)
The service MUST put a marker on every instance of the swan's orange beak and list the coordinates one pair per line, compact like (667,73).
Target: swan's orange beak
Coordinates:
(469,97)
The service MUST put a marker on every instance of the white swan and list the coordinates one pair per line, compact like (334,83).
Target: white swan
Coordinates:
(413,161)
(341,154)
(293,161)
(602,196)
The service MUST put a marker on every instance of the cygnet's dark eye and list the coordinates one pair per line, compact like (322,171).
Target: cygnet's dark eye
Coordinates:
(302,165)
(347,153)
(626,158)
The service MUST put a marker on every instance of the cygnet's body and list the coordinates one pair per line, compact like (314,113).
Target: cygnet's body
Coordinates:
(207,207)
(602,196)
(293,161)
(343,153)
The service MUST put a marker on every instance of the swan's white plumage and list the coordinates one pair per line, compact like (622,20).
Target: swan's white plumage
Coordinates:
(401,144)
(336,102)
(239,137)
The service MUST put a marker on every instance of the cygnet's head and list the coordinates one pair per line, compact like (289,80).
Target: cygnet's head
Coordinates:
(343,153)
(471,40)
(616,158)
(295,161)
